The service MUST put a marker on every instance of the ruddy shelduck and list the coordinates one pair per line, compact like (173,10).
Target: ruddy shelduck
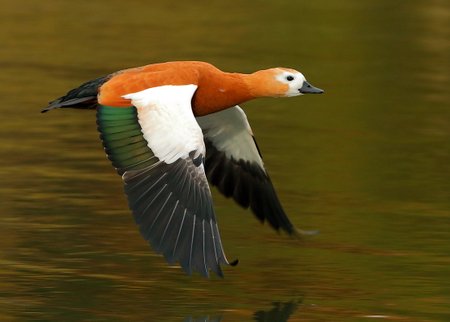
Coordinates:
(168,129)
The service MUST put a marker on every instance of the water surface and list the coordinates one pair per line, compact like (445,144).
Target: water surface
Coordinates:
(367,163)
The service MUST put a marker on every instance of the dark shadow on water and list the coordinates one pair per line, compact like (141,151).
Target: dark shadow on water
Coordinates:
(280,312)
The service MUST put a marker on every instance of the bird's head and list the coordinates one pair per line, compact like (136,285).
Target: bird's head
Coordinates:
(281,82)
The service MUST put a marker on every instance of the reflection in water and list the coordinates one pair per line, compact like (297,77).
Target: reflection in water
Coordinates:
(280,312)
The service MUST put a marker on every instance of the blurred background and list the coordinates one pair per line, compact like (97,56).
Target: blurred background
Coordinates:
(367,163)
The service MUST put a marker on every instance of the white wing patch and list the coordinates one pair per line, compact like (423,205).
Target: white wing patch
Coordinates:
(167,121)
(230,132)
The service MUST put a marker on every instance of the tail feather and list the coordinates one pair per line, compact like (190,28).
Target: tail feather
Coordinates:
(83,102)
(84,97)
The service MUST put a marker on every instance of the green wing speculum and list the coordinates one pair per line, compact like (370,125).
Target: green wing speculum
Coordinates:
(123,140)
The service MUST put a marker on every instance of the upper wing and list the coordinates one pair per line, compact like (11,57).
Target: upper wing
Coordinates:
(234,165)
(157,147)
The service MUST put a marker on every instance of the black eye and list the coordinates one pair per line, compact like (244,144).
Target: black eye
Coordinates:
(290,78)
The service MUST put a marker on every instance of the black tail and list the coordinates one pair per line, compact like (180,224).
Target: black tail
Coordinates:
(84,96)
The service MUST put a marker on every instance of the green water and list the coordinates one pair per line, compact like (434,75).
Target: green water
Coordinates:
(367,163)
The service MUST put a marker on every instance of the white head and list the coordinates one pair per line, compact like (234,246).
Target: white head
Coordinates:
(282,82)
(296,82)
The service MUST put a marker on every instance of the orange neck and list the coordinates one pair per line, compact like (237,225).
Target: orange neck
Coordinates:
(218,90)
(264,84)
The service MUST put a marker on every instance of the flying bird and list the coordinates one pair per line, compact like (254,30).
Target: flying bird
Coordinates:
(168,129)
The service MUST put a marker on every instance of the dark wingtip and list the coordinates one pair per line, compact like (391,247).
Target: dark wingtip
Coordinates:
(52,106)
(235,262)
